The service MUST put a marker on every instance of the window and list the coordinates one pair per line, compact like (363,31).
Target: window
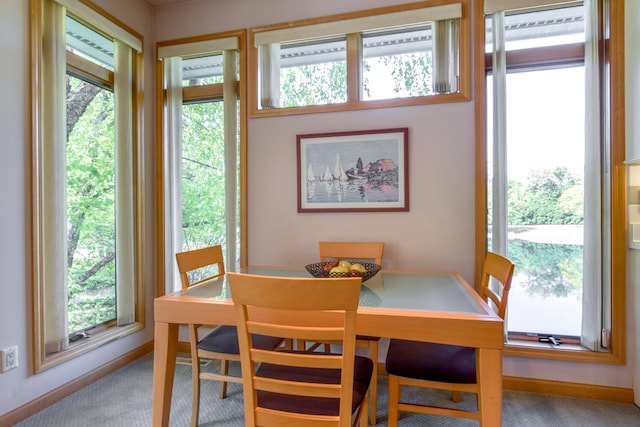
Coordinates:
(403,55)
(84,176)
(549,204)
(202,136)
(397,63)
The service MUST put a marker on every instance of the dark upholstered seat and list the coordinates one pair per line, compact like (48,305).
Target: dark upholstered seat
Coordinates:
(224,339)
(314,405)
(431,361)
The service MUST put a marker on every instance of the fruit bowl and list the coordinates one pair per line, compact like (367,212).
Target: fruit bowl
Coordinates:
(316,270)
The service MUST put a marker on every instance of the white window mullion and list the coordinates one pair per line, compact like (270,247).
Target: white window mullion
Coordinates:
(53,180)
(593,239)
(230,100)
(125,195)
(173,170)
(499,220)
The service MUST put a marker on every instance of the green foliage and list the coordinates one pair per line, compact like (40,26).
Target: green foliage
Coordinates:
(548,197)
(411,73)
(203,175)
(90,202)
(314,84)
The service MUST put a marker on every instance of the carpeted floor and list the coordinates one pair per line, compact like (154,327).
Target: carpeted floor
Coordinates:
(123,399)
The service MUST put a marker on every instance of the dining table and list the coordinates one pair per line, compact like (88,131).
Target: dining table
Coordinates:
(429,306)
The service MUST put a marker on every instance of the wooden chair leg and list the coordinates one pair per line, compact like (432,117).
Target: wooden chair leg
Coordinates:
(224,370)
(373,388)
(456,396)
(195,395)
(394,400)
(364,418)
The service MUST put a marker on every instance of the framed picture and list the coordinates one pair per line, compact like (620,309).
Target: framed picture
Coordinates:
(357,171)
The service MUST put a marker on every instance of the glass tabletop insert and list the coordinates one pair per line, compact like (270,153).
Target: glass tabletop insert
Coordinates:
(409,291)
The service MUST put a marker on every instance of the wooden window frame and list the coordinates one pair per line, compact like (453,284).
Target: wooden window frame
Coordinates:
(615,49)
(354,65)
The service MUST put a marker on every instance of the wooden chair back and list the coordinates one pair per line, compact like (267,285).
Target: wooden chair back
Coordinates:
(501,269)
(352,250)
(189,261)
(330,307)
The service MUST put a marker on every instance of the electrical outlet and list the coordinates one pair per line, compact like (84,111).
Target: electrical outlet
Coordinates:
(9,358)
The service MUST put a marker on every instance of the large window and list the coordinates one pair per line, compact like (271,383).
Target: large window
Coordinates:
(84,176)
(403,55)
(549,188)
(201,144)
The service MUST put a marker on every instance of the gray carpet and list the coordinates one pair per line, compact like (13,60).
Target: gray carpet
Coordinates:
(123,399)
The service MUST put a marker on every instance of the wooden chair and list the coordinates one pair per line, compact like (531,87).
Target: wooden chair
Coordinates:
(369,251)
(221,343)
(352,250)
(300,388)
(442,366)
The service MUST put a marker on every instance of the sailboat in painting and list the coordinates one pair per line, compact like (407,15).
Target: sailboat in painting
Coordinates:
(327,174)
(310,176)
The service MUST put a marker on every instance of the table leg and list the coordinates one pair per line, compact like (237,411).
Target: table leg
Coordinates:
(490,377)
(164,364)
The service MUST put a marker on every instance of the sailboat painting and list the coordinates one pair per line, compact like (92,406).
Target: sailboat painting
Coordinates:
(353,171)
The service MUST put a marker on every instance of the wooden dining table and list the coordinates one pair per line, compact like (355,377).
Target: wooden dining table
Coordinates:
(415,305)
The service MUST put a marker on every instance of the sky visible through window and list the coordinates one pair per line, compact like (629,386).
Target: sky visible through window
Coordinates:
(545,130)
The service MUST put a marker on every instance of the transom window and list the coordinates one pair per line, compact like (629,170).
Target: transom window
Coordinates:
(401,56)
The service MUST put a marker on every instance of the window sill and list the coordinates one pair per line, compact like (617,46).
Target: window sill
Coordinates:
(83,346)
(360,105)
(568,352)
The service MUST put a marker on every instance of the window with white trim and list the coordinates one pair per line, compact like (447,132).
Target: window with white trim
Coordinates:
(85,176)
(201,161)
(549,162)
(401,55)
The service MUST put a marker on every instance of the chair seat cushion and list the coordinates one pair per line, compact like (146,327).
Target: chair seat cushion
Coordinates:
(224,339)
(314,405)
(431,361)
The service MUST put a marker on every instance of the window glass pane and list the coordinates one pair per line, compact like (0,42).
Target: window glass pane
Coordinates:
(203,175)
(397,64)
(545,164)
(90,204)
(313,73)
(550,27)
(89,44)
(202,70)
